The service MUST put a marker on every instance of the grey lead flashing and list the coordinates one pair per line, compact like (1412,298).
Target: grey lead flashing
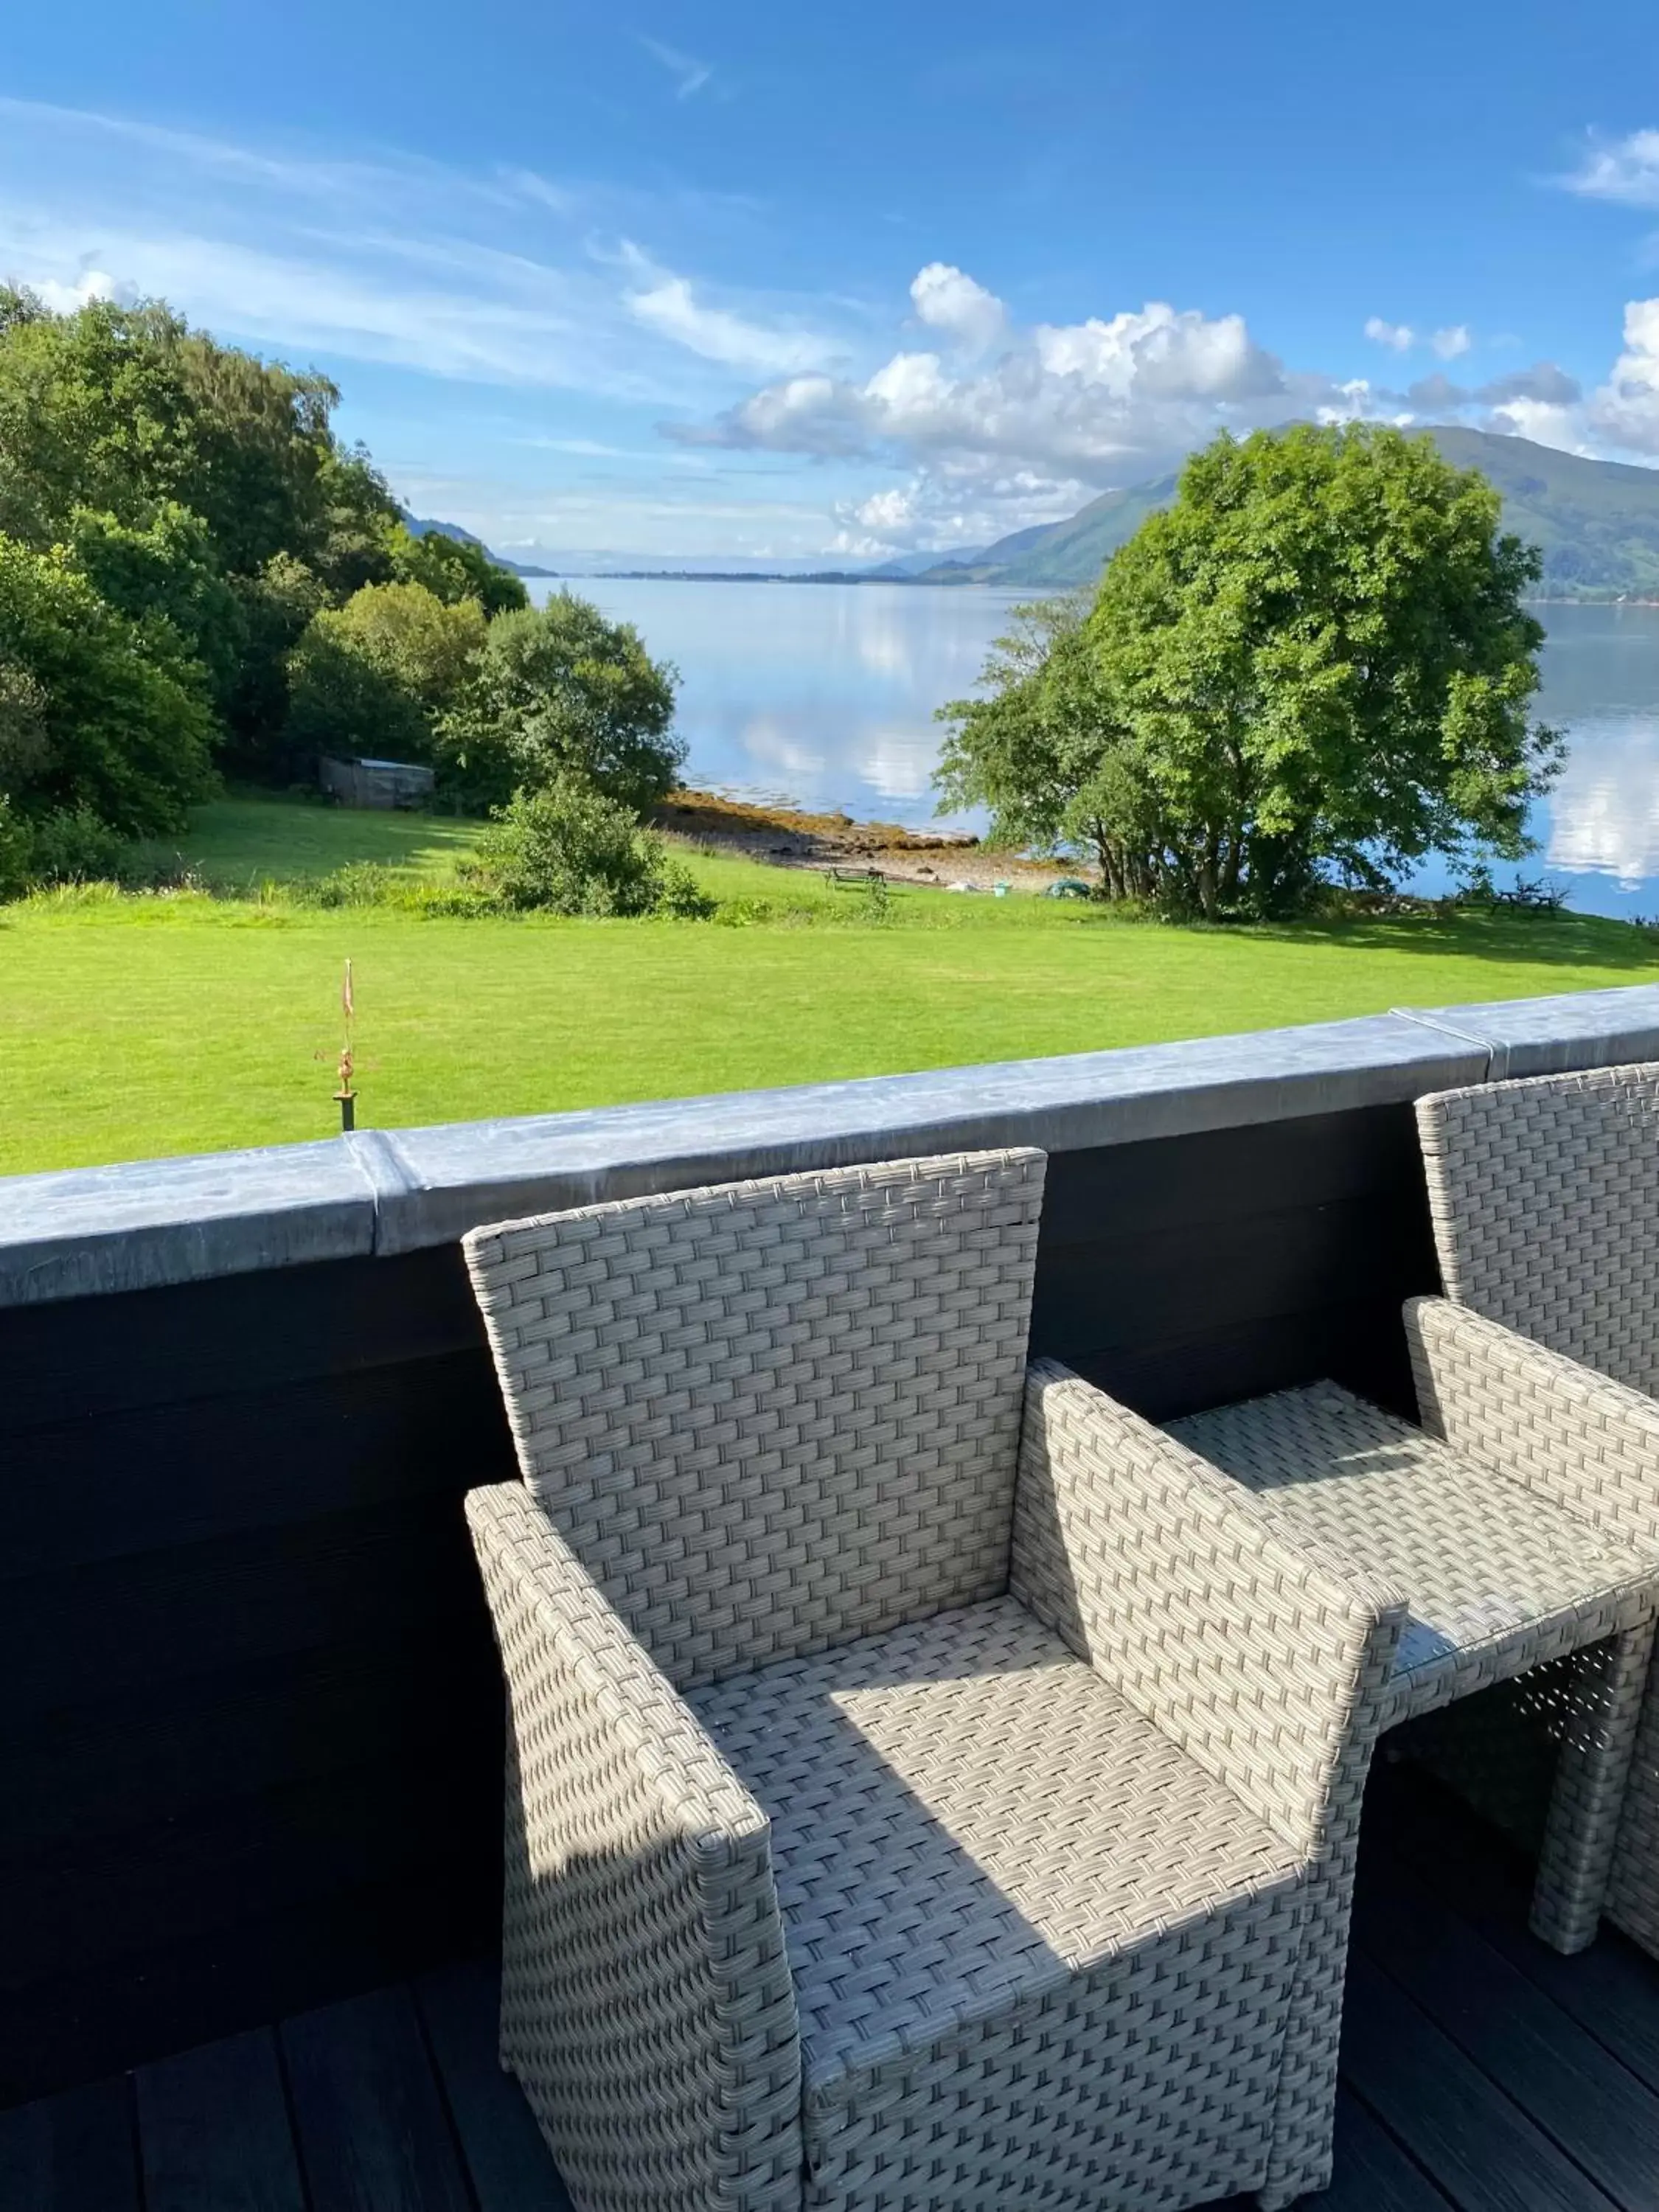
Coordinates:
(144,1224)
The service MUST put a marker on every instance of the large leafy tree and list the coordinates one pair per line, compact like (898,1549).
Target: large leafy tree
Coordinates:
(372,676)
(91,716)
(117,408)
(560,690)
(454,568)
(1317,663)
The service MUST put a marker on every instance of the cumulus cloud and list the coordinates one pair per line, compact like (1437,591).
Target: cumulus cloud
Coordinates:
(1118,394)
(1625,170)
(1626,411)
(1449,343)
(946,299)
(1399,337)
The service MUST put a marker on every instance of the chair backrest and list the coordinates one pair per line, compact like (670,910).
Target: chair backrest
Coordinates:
(1545,1194)
(773,1416)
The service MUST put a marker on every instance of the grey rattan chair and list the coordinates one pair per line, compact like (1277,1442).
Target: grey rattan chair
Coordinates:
(1545,1194)
(928,1785)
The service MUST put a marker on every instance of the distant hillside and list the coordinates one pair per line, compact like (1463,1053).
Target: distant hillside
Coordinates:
(1597,522)
(419,525)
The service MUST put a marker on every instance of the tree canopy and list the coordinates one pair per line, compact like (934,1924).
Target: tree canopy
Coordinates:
(559,690)
(373,676)
(1315,666)
(91,716)
(188,512)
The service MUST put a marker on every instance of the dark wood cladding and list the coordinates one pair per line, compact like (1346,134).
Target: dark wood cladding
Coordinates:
(249,1738)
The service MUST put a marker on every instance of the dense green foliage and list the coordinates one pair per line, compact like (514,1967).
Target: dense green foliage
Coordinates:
(1315,665)
(567,849)
(454,568)
(96,712)
(559,690)
(373,675)
(194,571)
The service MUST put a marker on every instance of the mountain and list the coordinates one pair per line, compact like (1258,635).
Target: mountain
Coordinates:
(1596,522)
(420,525)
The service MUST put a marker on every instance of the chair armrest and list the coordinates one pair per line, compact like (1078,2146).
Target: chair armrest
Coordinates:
(1546,1420)
(646,2002)
(1263,1663)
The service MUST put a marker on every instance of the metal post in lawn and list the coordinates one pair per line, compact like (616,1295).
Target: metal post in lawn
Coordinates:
(346,1096)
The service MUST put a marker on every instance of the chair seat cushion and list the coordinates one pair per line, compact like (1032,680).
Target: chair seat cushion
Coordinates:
(965,1817)
(1497,1576)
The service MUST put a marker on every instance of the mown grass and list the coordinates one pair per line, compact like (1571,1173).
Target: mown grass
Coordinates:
(130,1027)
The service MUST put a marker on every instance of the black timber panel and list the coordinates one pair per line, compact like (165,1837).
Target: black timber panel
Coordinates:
(250,1719)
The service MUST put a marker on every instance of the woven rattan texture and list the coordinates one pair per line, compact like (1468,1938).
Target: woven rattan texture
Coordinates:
(1590,1444)
(1269,1668)
(1496,1577)
(1544,1195)
(647,2004)
(990,1863)
(778,1415)
(963,1814)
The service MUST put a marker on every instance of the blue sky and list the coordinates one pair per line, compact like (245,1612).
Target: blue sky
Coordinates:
(803,284)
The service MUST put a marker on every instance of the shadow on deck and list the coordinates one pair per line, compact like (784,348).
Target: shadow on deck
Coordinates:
(1480,2071)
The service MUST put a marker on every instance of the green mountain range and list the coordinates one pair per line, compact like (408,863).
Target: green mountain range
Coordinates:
(1596,522)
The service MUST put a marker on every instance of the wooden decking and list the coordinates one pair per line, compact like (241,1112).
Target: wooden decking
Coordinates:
(1481,2072)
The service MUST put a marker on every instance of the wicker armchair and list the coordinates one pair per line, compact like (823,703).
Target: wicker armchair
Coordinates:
(928,1785)
(1544,1195)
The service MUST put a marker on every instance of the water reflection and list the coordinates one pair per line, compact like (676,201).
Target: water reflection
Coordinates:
(825,694)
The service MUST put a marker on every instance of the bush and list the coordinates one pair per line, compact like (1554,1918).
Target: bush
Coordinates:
(372,676)
(558,690)
(571,849)
(90,720)
(73,846)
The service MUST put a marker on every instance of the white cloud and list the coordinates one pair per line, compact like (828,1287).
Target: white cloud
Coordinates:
(1449,343)
(1625,170)
(948,300)
(667,304)
(1399,337)
(1117,394)
(1624,412)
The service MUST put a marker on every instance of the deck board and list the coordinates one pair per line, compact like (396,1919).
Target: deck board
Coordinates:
(1486,2153)
(505,2159)
(1481,2073)
(1594,2108)
(373,2130)
(214,2134)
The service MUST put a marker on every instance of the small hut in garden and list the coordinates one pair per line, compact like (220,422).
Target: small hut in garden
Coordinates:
(375,782)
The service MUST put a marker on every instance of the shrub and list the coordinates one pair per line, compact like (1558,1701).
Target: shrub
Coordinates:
(73,846)
(372,676)
(570,848)
(558,690)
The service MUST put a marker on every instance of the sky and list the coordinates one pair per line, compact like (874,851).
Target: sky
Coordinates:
(620,285)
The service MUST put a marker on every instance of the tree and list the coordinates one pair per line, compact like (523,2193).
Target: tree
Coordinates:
(117,408)
(165,576)
(89,719)
(559,689)
(454,569)
(1316,662)
(372,676)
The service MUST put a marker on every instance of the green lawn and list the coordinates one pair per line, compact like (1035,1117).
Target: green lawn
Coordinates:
(136,1027)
